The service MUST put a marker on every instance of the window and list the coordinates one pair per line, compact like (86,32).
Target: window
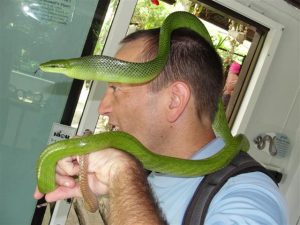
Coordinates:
(241,31)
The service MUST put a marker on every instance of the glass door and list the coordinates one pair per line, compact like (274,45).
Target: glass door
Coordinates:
(32,32)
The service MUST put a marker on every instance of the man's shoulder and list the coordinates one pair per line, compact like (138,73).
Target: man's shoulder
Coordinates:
(252,196)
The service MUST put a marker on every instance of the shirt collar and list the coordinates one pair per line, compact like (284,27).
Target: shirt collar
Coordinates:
(209,149)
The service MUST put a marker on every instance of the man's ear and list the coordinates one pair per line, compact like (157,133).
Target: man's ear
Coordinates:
(179,97)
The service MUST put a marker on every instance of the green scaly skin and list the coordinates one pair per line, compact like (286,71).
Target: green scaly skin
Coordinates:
(112,70)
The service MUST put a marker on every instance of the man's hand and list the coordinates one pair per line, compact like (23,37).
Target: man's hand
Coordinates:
(117,174)
(102,167)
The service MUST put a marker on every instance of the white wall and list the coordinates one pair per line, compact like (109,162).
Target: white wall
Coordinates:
(278,106)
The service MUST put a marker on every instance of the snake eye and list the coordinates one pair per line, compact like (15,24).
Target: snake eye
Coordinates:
(56,65)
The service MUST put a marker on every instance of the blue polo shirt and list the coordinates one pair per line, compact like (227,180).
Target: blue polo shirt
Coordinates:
(250,198)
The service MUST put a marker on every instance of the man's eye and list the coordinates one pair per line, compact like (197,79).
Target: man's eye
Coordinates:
(114,88)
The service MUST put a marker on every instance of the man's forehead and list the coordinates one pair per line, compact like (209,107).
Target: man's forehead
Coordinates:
(132,51)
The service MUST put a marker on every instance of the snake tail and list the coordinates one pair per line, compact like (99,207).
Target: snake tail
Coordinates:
(90,199)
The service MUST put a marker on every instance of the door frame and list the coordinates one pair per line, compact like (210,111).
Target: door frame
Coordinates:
(117,32)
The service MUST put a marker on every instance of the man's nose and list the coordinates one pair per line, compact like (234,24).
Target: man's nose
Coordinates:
(105,106)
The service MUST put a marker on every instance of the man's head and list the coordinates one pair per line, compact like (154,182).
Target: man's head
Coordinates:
(175,107)
(192,60)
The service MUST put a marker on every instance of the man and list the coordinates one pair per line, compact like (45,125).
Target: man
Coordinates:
(171,115)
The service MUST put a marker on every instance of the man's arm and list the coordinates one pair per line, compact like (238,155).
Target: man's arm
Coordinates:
(131,200)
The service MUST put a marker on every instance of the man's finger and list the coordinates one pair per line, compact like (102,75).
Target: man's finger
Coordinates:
(63,193)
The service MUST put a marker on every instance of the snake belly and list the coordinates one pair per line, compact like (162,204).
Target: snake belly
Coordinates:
(109,69)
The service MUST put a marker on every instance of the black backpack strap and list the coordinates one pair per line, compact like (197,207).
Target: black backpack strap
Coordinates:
(212,183)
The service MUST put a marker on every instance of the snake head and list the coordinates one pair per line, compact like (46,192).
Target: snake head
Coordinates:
(55,66)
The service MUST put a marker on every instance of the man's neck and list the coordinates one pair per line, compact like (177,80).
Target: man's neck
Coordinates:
(185,142)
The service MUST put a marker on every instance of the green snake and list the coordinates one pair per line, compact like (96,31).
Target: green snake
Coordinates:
(109,69)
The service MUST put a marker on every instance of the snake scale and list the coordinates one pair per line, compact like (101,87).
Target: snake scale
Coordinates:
(109,69)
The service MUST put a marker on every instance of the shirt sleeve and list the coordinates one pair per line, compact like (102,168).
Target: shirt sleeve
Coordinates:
(251,198)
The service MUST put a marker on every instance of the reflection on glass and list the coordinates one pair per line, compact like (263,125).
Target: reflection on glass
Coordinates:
(28,89)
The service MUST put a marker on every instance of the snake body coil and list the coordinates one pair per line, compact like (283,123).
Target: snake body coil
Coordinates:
(125,142)
(112,70)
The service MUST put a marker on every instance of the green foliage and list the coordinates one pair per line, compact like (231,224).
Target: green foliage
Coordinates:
(148,15)
(218,40)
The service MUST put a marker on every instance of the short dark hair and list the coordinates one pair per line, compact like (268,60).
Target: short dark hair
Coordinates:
(192,60)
